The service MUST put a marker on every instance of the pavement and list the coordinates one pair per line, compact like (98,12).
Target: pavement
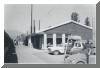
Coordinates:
(29,55)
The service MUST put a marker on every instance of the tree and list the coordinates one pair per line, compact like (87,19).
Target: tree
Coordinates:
(9,49)
(74,16)
(87,22)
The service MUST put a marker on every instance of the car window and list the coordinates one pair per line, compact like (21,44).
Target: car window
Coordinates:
(77,44)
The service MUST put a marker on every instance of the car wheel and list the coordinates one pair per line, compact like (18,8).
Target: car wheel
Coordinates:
(56,52)
(80,62)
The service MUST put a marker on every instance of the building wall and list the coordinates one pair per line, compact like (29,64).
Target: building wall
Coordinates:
(74,29)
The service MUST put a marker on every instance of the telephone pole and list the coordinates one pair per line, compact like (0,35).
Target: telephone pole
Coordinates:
(39,24)
(34,26)
(31,17)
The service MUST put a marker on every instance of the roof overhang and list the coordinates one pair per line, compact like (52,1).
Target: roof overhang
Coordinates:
(42,31)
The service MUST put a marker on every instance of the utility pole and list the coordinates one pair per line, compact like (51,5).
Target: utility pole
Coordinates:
(39,24)
(31,17)
(34,26)
(29,40)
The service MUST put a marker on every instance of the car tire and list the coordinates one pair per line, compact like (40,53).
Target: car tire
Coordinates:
(80,62)
(56,52)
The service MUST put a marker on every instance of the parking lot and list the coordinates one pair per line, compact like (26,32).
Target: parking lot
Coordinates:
(29,55)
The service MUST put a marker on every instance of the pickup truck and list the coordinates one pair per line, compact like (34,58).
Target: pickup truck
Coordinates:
(80,55)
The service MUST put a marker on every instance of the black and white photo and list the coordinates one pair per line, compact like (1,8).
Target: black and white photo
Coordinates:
(50,33)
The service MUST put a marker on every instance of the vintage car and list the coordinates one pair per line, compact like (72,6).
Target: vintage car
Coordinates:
(60,48)
(56,49)
(76,55)
(81,53)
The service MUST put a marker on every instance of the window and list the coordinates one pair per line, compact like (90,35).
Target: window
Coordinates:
(50,40)
(58,40)
(66,40)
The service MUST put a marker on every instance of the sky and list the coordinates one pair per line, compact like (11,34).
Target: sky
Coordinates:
(17,17)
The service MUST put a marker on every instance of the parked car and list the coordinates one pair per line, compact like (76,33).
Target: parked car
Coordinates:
(82,52)
(56,49)
(80,55)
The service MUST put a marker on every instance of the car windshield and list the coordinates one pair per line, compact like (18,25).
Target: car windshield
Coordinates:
(77,44)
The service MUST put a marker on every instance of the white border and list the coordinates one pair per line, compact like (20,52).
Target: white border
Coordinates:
(2,2)
(51,1)
(1,34)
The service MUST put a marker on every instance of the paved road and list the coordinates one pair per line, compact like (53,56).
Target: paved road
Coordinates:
(30,55)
